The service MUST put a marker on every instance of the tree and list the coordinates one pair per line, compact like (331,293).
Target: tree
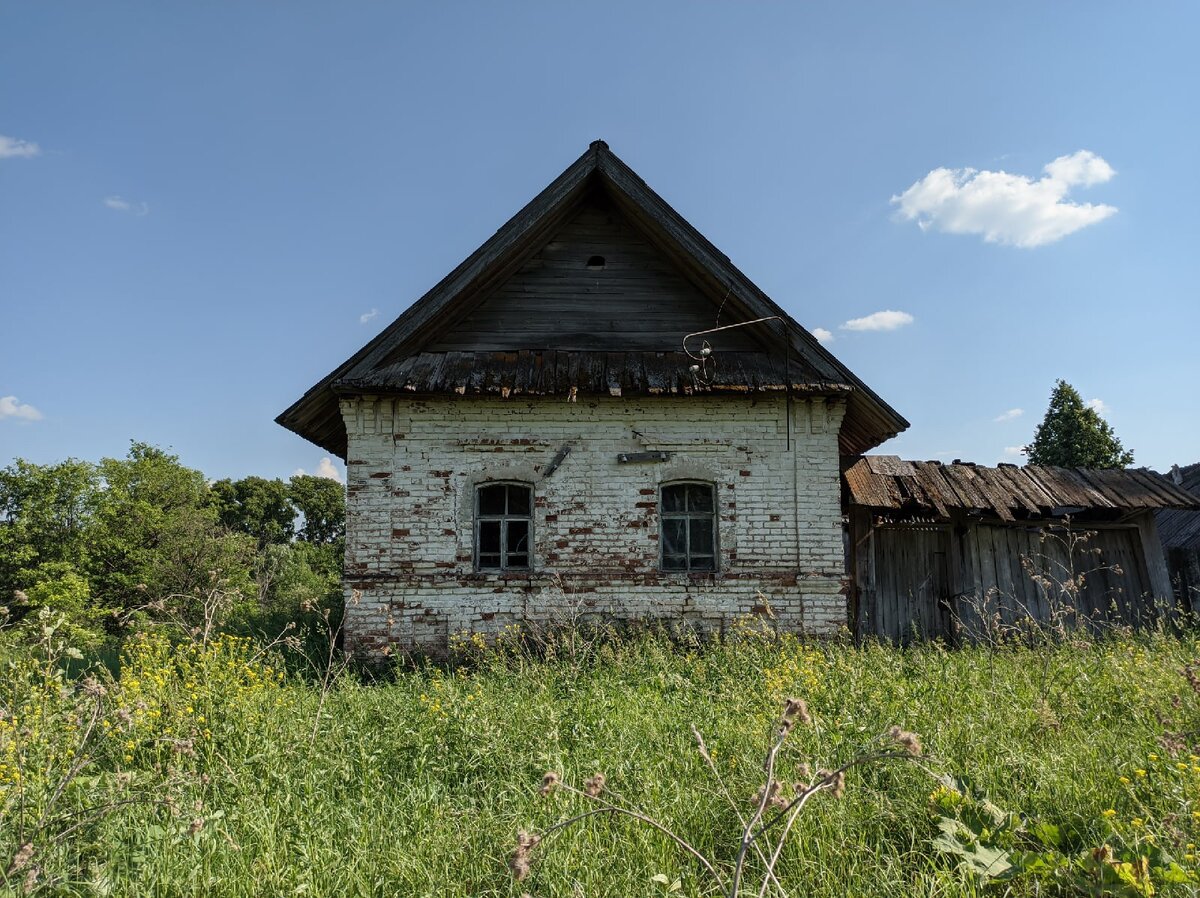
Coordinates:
(1073,435)
(157,533)
(257,506)
(323,503)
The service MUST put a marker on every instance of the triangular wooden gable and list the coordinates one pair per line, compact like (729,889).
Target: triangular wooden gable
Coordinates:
(597,284)
(491,301)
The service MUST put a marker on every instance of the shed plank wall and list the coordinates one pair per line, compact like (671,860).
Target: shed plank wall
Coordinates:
(942,581)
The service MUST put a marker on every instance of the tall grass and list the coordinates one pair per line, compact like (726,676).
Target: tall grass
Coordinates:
(209,771)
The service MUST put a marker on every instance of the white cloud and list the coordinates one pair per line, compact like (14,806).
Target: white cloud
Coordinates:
(10,407)
(1013,451)
(367,316)
(1009,415)
(12,148)
(822,335)
(1007,208)
(887,320)
(120,204)
(1099,406)
(326,469)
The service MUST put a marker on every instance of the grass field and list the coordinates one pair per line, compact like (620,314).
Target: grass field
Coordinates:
(207,770)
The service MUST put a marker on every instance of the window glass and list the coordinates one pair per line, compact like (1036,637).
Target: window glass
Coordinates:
(674,536)
(688,537)
(518,499)
(700,536)
(699,497)
(491,499)
(674,498)
(503,525)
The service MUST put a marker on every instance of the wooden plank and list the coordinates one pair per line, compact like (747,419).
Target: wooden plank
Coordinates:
(555,301)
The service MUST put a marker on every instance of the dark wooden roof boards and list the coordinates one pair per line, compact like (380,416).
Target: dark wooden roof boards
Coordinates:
(888,484)
(1181,529)
(533,373)
(446,342)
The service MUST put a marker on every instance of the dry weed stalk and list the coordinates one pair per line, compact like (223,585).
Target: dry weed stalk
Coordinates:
(764,832)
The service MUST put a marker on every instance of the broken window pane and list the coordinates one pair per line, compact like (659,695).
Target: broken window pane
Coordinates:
(699,497)
(504,527)
(518,536)
(689,527)
(674,536)
(674,497)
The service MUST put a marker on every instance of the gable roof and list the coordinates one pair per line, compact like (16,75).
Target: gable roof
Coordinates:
(386,363)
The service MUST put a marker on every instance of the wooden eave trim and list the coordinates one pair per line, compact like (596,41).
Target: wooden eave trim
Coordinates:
(529,218)
(719,266)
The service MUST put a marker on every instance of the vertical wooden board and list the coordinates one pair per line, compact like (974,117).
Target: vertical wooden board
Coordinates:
(1031,596)
(1158,575)
(987,573)
(883,586)
(1009,609)
(969,596)
(889,607)
(1027,552)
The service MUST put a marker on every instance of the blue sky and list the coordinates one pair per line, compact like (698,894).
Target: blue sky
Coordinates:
(200,204)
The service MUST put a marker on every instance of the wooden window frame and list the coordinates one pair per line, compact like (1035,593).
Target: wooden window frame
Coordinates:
(713,517)
(504,520)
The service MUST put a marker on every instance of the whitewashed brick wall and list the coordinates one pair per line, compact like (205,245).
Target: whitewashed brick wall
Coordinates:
(414,464)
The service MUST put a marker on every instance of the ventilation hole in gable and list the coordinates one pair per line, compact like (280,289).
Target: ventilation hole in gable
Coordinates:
(595,263)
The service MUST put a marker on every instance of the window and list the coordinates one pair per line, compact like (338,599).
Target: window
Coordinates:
(503,526)
(689,527)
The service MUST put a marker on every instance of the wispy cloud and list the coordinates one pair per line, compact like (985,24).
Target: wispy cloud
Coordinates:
(326,468)
(1099,406)
(1009,415)
(12,148)
(1014,451)
(11,407)
(367,316)
(887,320)
(1006,208)
(120,204)
(822,335)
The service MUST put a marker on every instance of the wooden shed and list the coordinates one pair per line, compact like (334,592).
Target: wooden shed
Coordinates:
(1179,531)
(966,551)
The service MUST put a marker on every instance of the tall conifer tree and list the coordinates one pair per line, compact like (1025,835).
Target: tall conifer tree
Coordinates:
(1073,435)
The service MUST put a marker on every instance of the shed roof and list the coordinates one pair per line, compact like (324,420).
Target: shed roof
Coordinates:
(399,360)
(1179,529)
(888,483)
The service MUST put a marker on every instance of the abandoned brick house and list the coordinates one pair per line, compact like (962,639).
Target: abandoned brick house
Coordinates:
(550,432)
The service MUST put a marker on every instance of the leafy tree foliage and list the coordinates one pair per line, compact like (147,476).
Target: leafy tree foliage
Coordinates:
(259,507)
(1073,435)
(322,502)
(110,544)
